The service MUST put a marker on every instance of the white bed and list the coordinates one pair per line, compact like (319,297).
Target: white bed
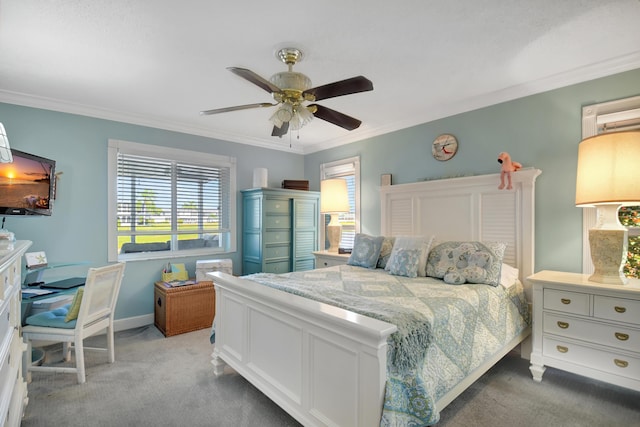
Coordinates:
(327,366)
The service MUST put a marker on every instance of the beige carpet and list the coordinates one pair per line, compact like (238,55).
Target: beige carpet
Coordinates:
(158,381)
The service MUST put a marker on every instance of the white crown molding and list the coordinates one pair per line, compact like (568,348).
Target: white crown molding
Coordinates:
(579,75)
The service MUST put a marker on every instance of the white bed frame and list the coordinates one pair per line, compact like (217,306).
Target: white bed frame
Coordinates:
(326,366)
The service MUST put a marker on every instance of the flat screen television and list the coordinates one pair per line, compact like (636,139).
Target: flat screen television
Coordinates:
(27,185)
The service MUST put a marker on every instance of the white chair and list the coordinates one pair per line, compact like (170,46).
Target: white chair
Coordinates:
(95,315)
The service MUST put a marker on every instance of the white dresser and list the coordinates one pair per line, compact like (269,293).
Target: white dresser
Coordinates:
(13,389)
(329,259)
(587,328)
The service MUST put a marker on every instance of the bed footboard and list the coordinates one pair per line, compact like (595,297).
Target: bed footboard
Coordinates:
(321,364)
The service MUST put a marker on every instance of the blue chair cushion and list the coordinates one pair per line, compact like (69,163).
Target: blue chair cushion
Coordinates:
(52,319)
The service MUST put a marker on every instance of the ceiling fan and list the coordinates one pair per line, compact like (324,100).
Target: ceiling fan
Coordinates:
(294,96)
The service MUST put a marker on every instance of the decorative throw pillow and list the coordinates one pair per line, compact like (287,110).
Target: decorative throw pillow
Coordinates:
(508,275)
(74,309)
(423,243)
(467,262)
(385,251)
(405,263)
(366,250)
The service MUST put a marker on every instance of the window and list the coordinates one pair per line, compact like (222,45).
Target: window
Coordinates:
(166,202)
(348,169)
(623,114)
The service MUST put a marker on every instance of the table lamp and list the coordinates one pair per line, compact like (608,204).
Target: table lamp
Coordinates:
(609,177)
(334,200)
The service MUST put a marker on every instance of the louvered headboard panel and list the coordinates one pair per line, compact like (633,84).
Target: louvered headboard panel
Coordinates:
(467,208)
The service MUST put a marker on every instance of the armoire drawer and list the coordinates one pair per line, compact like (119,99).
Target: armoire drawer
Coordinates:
(277,267)
(276,206)
(271,237)
(272,252)
(277,221)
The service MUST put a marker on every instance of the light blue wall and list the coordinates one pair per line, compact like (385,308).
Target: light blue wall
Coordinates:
(541,131)
(77,229)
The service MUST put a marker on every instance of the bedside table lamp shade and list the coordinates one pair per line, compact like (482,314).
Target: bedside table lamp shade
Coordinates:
(608,177)
(334,199)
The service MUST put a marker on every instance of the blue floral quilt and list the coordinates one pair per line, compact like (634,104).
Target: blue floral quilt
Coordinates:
(444,331)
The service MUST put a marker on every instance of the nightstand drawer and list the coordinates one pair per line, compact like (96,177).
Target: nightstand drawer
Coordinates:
(618,309)
(611,362)
(566,301)
(584,330)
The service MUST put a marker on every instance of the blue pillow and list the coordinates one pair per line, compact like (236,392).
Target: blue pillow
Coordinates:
(406,262)
(52,319)
(366,250)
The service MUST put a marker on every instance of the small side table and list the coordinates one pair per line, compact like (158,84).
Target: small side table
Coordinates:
(587,328)
(329,259)
(184,308)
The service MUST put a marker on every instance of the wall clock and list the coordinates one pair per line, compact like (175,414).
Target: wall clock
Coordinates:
(444,147)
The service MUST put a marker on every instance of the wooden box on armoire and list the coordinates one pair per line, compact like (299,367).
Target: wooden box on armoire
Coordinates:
(184,308)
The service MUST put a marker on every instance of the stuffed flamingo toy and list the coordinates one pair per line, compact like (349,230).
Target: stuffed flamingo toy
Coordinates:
(508,166)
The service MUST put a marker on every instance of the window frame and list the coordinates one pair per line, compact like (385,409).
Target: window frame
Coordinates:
(174,154)
(339,169)
(621,114)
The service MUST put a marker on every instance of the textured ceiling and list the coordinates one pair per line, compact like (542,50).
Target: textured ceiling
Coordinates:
(159,63)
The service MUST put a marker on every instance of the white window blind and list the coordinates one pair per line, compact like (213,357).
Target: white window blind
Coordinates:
(349,170)
(166,204)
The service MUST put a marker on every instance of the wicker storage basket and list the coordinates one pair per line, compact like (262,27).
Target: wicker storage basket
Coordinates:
(184,308)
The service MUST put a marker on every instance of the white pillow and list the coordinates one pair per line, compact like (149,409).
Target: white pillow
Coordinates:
(412,242)
(508,275)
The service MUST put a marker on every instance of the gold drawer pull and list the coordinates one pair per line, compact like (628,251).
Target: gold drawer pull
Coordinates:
(621,336)
(565,301)
(562,349)
(621,363)
(563,325)
(619,309)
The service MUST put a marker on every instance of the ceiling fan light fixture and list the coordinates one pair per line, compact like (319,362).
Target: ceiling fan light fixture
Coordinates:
(283,114)
(290,80)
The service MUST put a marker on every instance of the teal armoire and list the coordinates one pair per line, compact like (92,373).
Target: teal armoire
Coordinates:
(279,230)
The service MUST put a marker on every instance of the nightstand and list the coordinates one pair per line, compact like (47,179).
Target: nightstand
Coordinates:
(587,328)
(329,259)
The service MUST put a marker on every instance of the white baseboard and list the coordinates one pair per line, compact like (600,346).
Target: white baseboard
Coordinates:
(133,322)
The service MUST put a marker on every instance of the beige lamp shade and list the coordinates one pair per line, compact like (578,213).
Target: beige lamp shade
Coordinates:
(609,169)
(334,197)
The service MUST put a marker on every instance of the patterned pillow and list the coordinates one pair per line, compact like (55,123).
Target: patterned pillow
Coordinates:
(413,242)
(467,262)
(385,251)
(366,250)
(405,263)
(74,309)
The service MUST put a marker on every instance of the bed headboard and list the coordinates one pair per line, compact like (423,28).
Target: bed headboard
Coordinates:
(467,208)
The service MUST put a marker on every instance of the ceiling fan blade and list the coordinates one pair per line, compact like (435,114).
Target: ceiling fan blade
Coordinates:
(236,108)
(255,79)
(335,117)
(280,131)
(343,87)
